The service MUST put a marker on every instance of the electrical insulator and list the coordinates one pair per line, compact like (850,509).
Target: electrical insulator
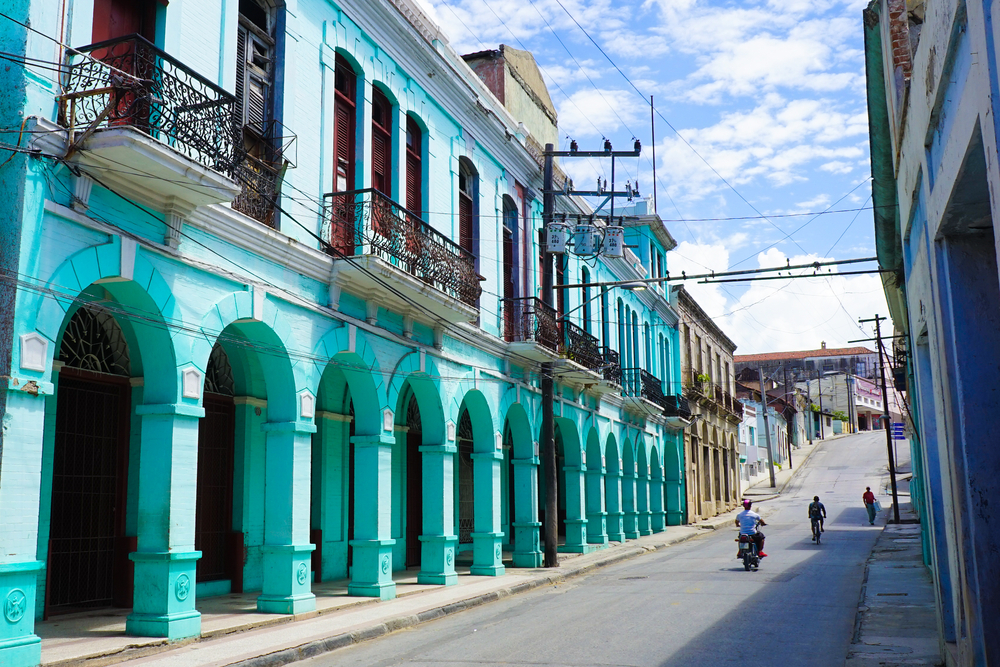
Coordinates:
(573,146)
(614,242)
(607,145)
(605,185)
(635,191)
(637,146)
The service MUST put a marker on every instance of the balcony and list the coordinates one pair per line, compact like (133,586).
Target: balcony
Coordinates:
(145,122)
(642,391)
(389,244)
(583,362)
(261,169)
(530,329)
(612,366)
(676,406)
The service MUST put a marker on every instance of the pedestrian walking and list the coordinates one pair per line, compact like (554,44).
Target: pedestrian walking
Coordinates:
(869,499)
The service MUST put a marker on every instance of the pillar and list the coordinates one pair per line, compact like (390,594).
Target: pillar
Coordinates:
(371,572)
(20,480)
(658,516)
(527,546)
(287,551)
(576,520)
(630,522)
(616,531)
(165,558)
(438,540)
(487,540)
(596,515)
(642,502)
(330,493)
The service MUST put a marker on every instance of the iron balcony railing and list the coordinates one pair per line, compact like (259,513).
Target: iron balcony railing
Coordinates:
(640,383)
(366,222)
(261,170)
(128,82)
(612,365)
(676,406)
(528,319)
(581,347)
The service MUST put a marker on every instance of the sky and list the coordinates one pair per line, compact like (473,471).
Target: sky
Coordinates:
(761,119)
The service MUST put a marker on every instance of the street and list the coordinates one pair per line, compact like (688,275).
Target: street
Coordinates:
(689,605)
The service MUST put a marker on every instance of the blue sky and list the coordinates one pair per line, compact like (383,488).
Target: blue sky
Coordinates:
(769,98)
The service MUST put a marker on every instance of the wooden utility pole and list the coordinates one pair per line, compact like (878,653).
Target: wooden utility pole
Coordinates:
(767,424)
(550,527)
(887,419)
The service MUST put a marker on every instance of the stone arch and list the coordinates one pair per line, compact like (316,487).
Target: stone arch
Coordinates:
(348,350)
(123,270)
(420,371)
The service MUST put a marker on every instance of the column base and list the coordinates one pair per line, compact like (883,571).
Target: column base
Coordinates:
(487,554)
(437,560)
(19,645)
(164,598)
(287,585)
(576,536)
(659,522)
(371,573)
(528,559)
(527,551)
(21,651)
(597,529)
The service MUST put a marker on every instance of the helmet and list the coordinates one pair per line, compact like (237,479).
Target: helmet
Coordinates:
(746,504)
(816,498)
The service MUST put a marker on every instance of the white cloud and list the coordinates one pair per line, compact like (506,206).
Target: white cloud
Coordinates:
(589,112)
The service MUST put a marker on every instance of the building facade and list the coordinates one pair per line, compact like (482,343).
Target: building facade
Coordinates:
(803,364)
(932,81)
(711,442)
(271,316)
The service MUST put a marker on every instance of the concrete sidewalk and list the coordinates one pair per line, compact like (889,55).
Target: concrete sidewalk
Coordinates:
(896,623)
(234,633)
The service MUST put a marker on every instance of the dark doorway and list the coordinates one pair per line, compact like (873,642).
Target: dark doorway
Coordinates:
(414,483)
(88,564)
(118,18)
(466,486)
(216,449)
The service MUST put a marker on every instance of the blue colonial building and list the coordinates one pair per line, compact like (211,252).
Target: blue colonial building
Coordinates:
(271,315)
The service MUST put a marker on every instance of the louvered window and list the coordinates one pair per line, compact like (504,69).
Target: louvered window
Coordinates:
(414,167)
(381,143)
(466,210)
(254,67)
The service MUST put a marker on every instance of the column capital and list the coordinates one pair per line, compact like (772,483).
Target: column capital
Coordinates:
(486,456)
(381,440)
(438,449)
(31,387)
(175,409)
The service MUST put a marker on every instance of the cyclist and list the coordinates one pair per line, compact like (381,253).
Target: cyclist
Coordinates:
(748,521)
(817,512)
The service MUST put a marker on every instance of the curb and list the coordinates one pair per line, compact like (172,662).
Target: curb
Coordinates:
(342,640)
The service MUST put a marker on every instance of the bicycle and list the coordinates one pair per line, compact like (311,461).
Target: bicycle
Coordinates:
(816,530)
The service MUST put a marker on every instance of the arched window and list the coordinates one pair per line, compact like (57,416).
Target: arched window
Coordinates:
(634,329)
(648,344)
(622,347)
(414,167)
(381,143)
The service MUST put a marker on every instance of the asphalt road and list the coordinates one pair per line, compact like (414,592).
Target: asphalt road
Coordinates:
(690,605)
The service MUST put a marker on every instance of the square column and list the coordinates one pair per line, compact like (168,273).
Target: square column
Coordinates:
(287,551)
(527,547)
(642,504)
(487,541)
(20,483)
(596,515)
(615,523)
(165,558)
(438,540)
(630,520)
(371,572)
(658,518)
(576,521)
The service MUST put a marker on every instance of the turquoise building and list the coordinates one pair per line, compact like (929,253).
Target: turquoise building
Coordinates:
(270,317)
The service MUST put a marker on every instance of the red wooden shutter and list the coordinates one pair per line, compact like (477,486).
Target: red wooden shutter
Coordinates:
(380,163)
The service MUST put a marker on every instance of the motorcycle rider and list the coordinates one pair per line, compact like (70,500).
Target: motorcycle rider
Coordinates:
(817,511)
(748,521)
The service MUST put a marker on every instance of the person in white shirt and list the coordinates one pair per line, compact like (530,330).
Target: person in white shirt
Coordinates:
(748,521)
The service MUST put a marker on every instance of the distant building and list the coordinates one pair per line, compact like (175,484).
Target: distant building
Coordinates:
(802,363)
(710,444)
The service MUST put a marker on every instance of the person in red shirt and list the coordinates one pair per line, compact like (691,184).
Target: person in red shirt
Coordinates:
(869,499)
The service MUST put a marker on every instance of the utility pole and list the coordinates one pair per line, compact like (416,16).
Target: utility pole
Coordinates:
(822,430)
(790,425)
(550,525)
(809,401)
(887,423)
(551,528)
(767,424)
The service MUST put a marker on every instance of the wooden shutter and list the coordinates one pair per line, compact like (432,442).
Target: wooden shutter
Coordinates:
(241,75)
(380,162)
(508,264)
(413,168)
(465,221)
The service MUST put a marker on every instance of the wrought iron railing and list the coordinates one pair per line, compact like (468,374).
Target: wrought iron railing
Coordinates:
(580,346)
(128,82)
(265,157)
(612,365)
(676,406)
(528,319)
(366,222)
(640,383)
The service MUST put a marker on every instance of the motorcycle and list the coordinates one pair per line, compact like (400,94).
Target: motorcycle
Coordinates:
(748,552)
